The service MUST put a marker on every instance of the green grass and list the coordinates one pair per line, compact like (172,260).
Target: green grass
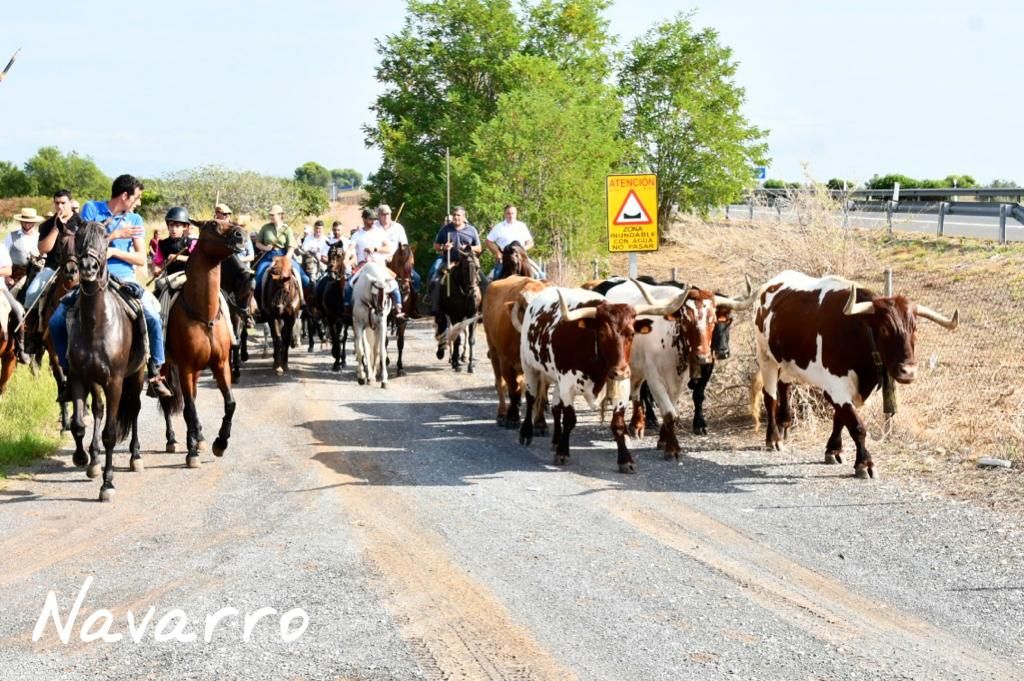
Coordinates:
(29,419)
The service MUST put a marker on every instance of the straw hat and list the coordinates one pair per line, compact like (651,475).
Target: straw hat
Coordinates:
(28,215)
(276,210)
(223,208)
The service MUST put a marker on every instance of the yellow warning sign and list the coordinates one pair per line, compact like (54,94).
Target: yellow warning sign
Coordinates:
(632,213)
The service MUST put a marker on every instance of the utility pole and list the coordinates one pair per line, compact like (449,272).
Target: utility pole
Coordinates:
(448,179)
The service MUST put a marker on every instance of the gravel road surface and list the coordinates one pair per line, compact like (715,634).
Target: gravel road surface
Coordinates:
(422,541)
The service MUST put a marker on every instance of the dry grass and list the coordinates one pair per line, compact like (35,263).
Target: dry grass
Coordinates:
(967,401)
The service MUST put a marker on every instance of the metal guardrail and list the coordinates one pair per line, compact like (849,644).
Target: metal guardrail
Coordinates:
(1016,193)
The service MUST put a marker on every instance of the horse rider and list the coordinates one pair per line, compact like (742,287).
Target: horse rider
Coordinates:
(65,222)
(453,237)
(23,243)
(505,232)
(125,252)
(171,256)
(14,323)
(372,244)
(316,242)
(397,236)
(222,212)
(275,238)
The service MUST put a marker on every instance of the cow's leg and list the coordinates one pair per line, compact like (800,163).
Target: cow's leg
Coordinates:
(526,427)
(667,440)
(668,436)
(540,409)
(514,399)
(626,462)
(556,431)
(568,422)
(834,448)
(784,418)
(863,467)
(637,424)
(697,385)
(770,379)
(499,388)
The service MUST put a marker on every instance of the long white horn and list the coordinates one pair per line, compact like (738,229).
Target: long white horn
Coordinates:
(644,292)
(575,315)
(666,309)
(730,303)
(853,307)
(946,322)
(750,288)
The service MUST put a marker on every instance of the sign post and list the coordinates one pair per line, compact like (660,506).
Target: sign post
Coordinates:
(632,202)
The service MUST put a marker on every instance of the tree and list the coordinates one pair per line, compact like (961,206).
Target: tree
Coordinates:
(889,181)
(1002,184)
(50,170)
(313,174)
(14,181)
(682,116)
(246,192)
(347,177)
(838,184)
(774,184)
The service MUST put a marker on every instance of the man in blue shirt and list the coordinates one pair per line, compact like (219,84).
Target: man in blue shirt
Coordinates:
(125,252)
(453,237)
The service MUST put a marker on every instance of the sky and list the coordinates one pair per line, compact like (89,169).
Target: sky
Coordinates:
(847,90)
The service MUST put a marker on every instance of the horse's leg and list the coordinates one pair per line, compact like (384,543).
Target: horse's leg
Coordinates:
(382,352)
(400,342)
(135,463)
(114,388)
(191,418)
(234,361)
(310,333)
(220,374)
(472,342)
(165,407)
(275,333)
(244,343)
(289,330)
(80,458)
(344,340)
(97,434)
(456,358)
(358,336)
(335,332)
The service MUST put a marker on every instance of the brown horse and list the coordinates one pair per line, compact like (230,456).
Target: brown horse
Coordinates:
(280,301)
(199,337)
(106,358)
(402,263)
(515,261)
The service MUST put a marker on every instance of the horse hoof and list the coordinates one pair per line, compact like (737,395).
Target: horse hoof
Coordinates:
(362,381)
(279,371)
(107,495)
(561,459)
(469,370)
(219,447)
(93,471)
(830,458)
(235,376)
(525,441)
(669,456)
(861,473)
(192,461)
(171,447)
(136,466)
(627,467)
(383,384)
(80,459)
(336,368)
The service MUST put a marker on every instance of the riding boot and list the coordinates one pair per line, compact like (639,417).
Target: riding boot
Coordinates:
(156,387)
(63,390)
(19,345)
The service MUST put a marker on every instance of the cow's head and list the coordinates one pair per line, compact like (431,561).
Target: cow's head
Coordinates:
(893,323)
(613,326)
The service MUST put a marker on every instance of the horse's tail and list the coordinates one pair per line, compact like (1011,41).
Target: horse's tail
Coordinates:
(130,405)
(176,403)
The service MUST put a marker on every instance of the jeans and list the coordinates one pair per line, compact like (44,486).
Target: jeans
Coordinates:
(150,310)
(36,287)
(435,268)
(417,281)
(267,261)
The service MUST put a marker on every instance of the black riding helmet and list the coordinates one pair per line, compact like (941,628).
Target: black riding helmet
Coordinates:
(177,214)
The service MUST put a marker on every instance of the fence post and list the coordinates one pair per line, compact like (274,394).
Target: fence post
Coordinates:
(727,211)
(846,211)
(888,214)
(888,284)
(943,208)
(778,212)
(675,274)
(1002,223)
(750,205)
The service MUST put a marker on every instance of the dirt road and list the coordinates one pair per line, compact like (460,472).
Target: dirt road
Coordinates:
(421,541)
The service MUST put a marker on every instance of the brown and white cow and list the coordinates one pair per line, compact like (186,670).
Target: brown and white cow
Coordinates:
(831,334)
(503,341)
(579,343)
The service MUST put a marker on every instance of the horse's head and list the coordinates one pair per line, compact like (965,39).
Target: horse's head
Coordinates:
(220,238)
(469,265)
(311,264)
(514,260)
(336,260)
(91,253)
(403,261)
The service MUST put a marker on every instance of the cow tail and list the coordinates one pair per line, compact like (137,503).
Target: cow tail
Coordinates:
(755,397)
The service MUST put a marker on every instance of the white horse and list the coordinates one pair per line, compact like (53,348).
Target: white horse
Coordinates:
(371,305)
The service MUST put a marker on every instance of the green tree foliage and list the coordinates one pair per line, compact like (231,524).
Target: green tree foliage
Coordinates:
(14,181)
(313,174)
(50,170)
(246,192)
(347,177)
(682,115)
(548,149)
(774,184)
(1003,184)
(887,182)
(837,184)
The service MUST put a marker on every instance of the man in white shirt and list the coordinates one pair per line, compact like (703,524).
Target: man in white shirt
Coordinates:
(371,244)
(505,232)
(397,236)
(317,242)
(23,244)
(17,312)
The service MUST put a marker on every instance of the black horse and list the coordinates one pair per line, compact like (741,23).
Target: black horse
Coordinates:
(458,306)
(311,317)
(329,301)
(515,261)
(236,283)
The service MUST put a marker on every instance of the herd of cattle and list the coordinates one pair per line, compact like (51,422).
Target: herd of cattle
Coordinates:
(615,341)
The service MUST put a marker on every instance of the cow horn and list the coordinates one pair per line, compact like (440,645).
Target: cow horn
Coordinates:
(665,309)
(575,315)
(949,323)
(853,307)
(644,292)
(750,288)
(731,303)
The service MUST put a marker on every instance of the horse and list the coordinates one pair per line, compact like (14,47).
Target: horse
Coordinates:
(314,269)
(236,284)
(329,300)
(371,306)
(402,262)
(459,302)
(515,261)
(8,357)
(64,281)
(280,300)
(199,337)
(106,358)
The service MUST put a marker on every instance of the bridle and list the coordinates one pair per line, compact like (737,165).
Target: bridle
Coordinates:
(100,284)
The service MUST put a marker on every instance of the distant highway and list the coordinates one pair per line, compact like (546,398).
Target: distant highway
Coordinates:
(955,225)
